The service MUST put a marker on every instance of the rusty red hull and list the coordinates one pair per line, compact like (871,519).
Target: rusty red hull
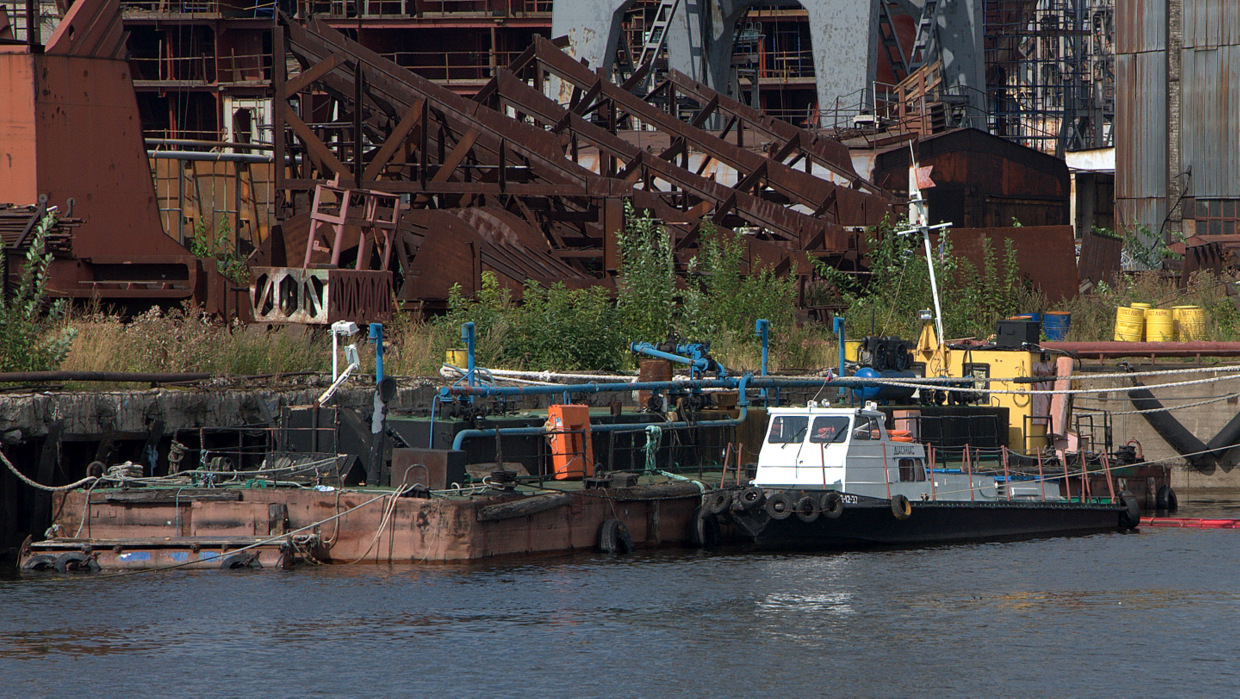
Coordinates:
(372,527)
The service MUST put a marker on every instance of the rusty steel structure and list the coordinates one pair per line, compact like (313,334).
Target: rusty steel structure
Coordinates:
(71,138)
(514,183)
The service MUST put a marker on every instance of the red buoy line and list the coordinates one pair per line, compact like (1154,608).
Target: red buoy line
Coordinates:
(1190,522)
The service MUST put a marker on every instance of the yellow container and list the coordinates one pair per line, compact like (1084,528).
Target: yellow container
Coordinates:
(1128,324)
(851,348)
(1159,325)
(1142,306)
(1190,323)
(457,357)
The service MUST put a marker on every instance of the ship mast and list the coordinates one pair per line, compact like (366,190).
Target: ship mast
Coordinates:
(919,220)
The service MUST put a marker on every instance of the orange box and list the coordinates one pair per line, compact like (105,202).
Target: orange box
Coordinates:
(572,448)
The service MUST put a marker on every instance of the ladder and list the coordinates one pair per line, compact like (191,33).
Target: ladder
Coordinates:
(891,42)
(657,36)
(927,36)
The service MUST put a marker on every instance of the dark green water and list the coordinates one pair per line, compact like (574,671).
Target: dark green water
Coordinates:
(1148,614)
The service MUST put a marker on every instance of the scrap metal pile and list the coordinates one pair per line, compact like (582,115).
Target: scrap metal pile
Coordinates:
(515,183)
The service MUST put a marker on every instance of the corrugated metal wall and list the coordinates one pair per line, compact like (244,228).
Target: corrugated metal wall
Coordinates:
(1209,105)
(1140,113)
(1210,97)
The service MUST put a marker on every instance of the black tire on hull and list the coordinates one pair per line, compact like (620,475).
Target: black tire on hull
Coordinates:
(1130,517)
(1166,500)
(718,502)
(704,530)
(780,505)
(240,560)
(901,507)
(76,563)
(807,509)
(832,504)
(43,562)
(614,537)
(750,498)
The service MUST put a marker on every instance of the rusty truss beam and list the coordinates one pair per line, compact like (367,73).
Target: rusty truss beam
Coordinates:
(516,184)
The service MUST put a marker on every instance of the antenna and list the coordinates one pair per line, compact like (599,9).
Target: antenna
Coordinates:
(919,219)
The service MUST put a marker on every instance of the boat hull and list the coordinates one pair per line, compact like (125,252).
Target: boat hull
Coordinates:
(873,523)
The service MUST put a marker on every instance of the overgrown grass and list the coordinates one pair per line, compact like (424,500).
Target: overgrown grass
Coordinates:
(1093,315)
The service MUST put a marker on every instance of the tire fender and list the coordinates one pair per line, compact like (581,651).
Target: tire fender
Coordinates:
(75,562)
(750,498)
(704,529)
(614,537)
(242,559)
(901,507)
(717,502)
(807,509)
(780,505)
(832,504)
(1130,517)
(39,563)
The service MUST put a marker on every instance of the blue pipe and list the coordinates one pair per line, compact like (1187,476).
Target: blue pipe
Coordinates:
(763,328)
(376,336)
(616,387)
(467,336)
(839,332)
(742,402)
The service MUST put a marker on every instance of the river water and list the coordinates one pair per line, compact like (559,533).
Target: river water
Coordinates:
(1152,613)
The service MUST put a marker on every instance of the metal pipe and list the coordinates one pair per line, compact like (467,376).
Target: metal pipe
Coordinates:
(1112,349)
(748,380)
(208,157)
(111,376)
(649,350)
(207,144)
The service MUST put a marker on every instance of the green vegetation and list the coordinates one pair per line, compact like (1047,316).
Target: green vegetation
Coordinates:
(29,340)
(218,246)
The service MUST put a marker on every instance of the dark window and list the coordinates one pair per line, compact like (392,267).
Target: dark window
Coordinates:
(1215,217)
(829,430)
(786,429)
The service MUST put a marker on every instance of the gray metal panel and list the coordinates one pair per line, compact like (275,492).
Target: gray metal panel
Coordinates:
(1141,25)
(1131,213)
(1141,125)
(1211,23)
(1210,120)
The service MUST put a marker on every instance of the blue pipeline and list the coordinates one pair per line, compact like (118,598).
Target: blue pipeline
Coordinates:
(742,403)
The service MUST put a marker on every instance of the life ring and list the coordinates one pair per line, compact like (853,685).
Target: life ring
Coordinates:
(780,505)
(900,435)
(750,498)
(39,563)
(614,537)
(704,529)
(718,502)
(241,559)
(832,504)
(901,507)
(75,562)
(807,509)
(1130,516)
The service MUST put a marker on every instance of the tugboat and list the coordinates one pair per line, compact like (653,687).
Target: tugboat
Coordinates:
(831,478)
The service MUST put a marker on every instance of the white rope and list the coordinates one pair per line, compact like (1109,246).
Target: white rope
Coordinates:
(51,489)
(1064,392)
(1158,410)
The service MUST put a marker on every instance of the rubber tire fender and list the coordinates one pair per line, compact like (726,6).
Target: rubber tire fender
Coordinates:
(704,529)
(750,498)
(807,509)
(242,559)
(832,504)
(901,508)
(75,562)
(1166,500)
(717,502)
(1173,503)
(614,537)
(40,563)
(1130,517)
(780,505)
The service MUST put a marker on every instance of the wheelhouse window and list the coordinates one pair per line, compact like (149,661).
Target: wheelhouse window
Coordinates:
(829,430)
(867,428)
(786,429)
(912,470)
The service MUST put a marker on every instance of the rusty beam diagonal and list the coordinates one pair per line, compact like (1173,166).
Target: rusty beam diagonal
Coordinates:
(799,187)
(402,88)
(791,224)
(828,153)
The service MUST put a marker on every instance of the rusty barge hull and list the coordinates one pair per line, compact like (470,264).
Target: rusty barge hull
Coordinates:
(384,528)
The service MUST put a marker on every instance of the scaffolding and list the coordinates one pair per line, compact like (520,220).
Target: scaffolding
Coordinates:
(1050,72)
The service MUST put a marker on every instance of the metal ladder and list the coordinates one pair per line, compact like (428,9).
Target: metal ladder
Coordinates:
(927,36)
(657,36)
(891,42)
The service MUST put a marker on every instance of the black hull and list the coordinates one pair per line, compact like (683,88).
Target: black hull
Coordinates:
(873,523)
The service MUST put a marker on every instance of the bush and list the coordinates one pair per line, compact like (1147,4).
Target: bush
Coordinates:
(28,340)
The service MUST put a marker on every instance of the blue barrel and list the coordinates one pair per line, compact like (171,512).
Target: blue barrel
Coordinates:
(897,394)
(1056,325)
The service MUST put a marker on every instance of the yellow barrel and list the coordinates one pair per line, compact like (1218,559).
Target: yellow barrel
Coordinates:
(851,347)
(1142,306)
(457,357)
(1159,325)
(1128,324)
(1190,323)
